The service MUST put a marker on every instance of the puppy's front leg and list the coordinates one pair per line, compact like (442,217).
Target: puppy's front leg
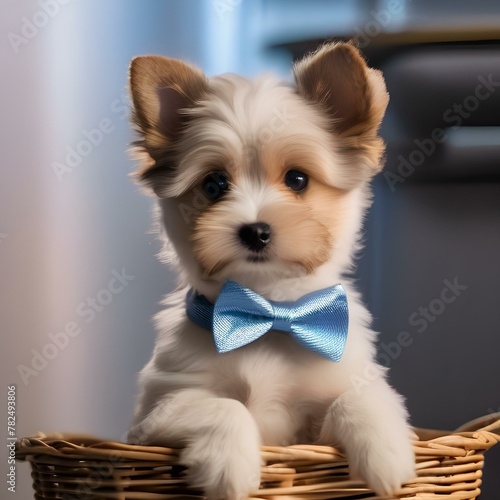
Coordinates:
(371,425)
(220,440)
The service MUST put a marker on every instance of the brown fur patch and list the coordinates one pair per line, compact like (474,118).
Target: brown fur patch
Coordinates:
(307,225)
(293,154)
(161,88)
(215,241)
(337,80)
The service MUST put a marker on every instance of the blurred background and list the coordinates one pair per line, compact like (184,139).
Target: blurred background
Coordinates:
(78,271)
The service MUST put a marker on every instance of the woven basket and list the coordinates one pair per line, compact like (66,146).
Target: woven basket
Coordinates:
(72,467)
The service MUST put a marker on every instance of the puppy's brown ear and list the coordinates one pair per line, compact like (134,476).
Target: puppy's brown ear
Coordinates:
(337,79)
(162,90)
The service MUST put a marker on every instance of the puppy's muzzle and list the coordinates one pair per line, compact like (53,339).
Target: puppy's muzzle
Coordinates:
(255,236)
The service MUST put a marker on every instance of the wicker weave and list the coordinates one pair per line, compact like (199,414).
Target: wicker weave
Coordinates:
(74,467)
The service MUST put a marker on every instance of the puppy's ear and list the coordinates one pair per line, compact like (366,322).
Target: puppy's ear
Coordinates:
(162,91)
(337,79)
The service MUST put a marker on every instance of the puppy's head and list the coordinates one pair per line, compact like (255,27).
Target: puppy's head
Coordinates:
(259,180)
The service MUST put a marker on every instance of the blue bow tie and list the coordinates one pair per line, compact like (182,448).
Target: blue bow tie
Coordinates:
(318,320)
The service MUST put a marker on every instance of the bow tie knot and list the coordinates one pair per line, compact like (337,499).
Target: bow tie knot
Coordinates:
(318,320)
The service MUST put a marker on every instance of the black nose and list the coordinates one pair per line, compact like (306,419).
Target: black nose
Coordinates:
(255,236)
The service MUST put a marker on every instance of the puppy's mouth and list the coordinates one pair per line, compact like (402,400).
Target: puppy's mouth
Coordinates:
(256,258)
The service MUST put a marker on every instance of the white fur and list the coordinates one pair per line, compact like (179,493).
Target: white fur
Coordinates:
(222,407)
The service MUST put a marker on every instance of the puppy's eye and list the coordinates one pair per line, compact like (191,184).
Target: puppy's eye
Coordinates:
(215,185)
(296,180)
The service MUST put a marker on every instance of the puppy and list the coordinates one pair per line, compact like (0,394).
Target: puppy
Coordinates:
(262,189)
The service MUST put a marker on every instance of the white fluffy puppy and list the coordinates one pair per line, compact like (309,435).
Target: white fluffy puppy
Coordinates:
(264,184)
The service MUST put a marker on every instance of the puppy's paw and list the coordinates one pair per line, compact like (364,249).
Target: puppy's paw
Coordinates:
(385,464)
(372,427)
(222,470)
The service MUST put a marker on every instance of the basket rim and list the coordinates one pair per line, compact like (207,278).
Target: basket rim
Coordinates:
(447,464)
(479,434)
